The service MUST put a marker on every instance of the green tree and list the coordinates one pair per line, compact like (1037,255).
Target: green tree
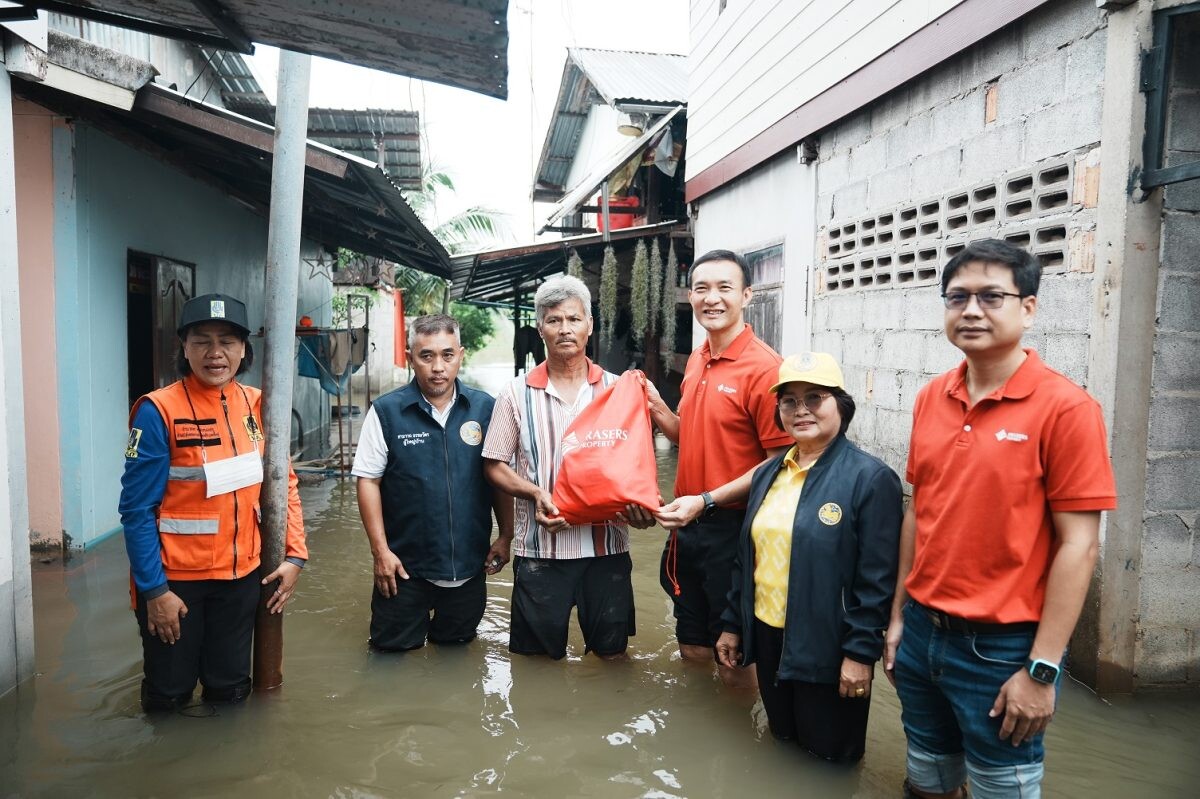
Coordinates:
(472,229)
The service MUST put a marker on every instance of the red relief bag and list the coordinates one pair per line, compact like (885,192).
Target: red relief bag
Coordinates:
(608,456)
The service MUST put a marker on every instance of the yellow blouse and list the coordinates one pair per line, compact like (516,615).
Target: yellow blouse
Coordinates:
(771,532)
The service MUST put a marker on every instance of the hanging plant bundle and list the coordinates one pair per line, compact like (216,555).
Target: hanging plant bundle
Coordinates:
(667,343)
(639,293)
(656,286)
(575,265)
(608,296)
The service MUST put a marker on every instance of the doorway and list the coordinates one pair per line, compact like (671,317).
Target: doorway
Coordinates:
(156,289)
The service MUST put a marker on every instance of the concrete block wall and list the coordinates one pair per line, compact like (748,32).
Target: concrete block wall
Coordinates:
(1000,141)
(1168,642)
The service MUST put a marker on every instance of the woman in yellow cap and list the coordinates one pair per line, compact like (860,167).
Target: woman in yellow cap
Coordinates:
(816,568)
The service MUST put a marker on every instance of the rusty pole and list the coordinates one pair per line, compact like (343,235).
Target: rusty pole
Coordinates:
(283,274)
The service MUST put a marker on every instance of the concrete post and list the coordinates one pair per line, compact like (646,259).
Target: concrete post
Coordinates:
(1128,225)
(16,591)
(283,272)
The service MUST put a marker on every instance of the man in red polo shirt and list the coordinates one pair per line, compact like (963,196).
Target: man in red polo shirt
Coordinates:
(725,428)
(1010,471)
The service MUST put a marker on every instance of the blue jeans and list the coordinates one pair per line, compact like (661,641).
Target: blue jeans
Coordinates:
(947,682)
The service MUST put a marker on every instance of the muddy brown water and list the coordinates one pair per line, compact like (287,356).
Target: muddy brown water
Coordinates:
(473,720)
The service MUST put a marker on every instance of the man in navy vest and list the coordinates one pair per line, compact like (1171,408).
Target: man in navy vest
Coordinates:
(425,504)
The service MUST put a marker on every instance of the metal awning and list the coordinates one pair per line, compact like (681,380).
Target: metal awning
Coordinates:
(500,275)
(348,202)
(462,43)
(609,167)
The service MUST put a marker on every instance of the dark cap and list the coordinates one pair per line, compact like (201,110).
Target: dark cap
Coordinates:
(213,308)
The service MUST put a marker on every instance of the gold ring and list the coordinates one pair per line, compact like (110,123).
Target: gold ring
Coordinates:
(859,691)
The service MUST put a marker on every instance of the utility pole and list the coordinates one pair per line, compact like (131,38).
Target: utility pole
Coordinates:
(283,273)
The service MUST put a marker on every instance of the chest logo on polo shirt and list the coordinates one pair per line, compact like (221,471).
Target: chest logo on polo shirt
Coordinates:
(471,433)
(724,389)
(830,513)
(1004,435)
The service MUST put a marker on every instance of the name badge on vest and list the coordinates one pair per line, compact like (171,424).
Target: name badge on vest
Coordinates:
(230,474)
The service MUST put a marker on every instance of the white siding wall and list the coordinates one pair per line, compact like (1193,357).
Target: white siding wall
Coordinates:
(774,205)
(758,61)
(598,141)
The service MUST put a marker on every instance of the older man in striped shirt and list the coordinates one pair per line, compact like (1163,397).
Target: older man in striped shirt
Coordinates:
(558,565)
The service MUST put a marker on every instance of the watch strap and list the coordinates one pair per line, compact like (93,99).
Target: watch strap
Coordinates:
(1043,671)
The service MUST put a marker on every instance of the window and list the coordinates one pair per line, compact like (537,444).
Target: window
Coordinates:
(766,306)
(1168,69)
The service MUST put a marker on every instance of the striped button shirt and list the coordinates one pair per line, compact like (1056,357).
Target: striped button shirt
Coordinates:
(527,426)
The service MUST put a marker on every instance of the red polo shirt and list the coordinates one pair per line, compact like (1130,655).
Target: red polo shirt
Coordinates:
(726,414)
(986,480)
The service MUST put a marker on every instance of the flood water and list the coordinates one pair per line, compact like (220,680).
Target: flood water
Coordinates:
(473,720)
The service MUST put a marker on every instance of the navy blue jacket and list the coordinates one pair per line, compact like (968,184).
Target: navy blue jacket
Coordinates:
(845,552)
(437,506)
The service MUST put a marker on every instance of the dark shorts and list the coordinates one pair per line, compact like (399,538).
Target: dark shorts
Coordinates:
(700,563)
(812,714)
(545,590)
(421,610)
(214,645)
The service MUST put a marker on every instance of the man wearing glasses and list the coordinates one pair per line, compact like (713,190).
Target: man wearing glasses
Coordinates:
(725,428)
(1010,471)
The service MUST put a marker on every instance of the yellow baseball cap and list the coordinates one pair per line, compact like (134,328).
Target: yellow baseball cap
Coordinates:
(818,368)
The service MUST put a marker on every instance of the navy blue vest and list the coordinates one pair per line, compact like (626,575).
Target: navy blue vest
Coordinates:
(437,506)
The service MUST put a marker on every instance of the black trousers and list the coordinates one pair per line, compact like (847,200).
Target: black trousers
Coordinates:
(811,714)
(421,610)
(214,646)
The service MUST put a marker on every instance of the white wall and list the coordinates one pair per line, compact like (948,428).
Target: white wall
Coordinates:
(16,598)
(770,205)
(756,62)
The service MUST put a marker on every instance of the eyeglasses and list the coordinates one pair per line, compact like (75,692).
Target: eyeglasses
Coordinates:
(812,400)
(989,300)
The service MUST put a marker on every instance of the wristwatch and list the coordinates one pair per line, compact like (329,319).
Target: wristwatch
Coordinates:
(709,504)
(1042,671)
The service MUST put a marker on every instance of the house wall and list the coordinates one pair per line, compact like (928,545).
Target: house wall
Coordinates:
(16,591)
(33,134)
(1001,141)
(1168,643)
(598,140)
(749,215)
(110,199)
(754,63)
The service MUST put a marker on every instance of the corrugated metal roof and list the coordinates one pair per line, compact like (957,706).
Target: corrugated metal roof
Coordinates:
(632,76)
(499,275)
(592,77)
(348,202)
(358,132)
(462,44)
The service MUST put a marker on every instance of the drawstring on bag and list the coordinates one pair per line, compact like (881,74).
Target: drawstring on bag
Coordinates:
(672,566)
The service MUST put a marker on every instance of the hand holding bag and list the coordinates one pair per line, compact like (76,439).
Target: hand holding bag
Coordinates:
(608,456)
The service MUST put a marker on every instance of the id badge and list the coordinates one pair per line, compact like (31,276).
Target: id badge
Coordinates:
(241,471)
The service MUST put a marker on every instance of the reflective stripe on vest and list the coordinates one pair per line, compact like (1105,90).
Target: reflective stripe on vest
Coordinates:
(188,526)
(186,473)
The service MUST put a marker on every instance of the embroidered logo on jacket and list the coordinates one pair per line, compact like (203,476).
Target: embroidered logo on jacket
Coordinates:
(471,433)
(830,513)
(252,428)
(131,447)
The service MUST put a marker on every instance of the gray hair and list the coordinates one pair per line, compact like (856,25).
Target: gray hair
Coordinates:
(559,289)
(432,324)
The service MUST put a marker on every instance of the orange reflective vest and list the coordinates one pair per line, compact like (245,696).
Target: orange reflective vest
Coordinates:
(214,538)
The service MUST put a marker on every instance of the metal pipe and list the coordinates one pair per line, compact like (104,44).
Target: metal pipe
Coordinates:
(604,210)
(282,278)
(367,347)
